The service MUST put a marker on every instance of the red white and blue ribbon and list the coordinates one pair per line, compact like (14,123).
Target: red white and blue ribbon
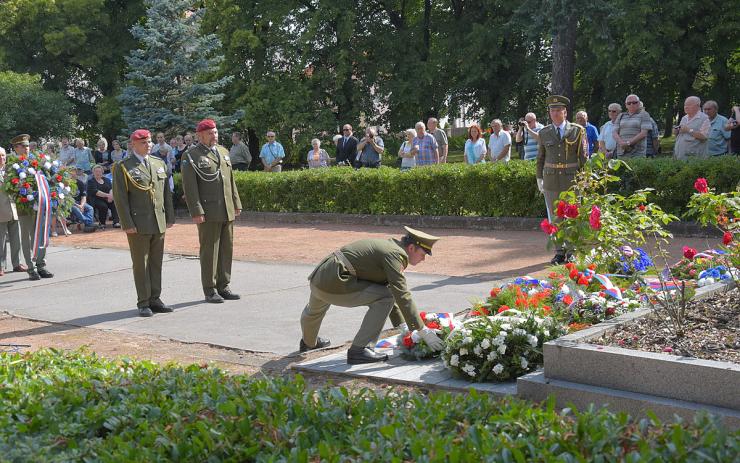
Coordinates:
(43,216)
(609,287)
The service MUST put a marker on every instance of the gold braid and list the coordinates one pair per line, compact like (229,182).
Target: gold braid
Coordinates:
(578,139)
(130,180)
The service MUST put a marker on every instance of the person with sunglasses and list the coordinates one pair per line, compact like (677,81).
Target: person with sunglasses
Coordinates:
(631,129)
(607,143)
(346,147)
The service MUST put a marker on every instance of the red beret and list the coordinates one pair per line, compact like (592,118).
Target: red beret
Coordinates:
(141,134)
(205,124)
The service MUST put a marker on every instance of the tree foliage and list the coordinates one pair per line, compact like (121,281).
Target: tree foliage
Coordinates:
(28,108)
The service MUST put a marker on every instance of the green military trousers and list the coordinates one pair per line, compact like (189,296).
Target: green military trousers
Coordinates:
(147,251)
(12,230)
(216,251)
(376,296)
(28,228)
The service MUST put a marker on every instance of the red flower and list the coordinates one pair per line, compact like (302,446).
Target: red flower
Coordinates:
(561,209)
(21,158)
(568,299)
(688,252)
(434,325)
(592,267)
(503,308)
(495,292)
(407,341)
(641,207)
(34,163)
(547,227)
(24,199)
(609,311)
(15,181)
(595,217)
(26,185)
(570,265)
(571,211)
(546,309)
(573,273)
(727,238)
(423,315)
(700,185)
(59,178)
(582,280)
(53,194)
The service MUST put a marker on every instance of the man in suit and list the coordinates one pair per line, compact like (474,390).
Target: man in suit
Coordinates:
(144,202)
(213,202)
(346,147)
(562,151)
(10,228)
(369,273)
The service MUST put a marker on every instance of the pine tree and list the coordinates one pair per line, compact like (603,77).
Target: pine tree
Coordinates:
(168,84)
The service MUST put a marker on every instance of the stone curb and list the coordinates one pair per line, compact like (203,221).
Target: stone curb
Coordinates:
(684,229)
(572,359)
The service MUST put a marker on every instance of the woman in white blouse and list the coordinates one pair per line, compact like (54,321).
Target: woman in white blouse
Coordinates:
(317,157)
(475,146)
(407,152)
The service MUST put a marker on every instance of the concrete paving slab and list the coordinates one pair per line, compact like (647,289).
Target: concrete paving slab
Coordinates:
(94,288)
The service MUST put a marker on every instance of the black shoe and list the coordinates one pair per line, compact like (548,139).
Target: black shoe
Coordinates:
(145,312)
(34,276)
(43,273)
(357,355)
(116,225)
(228,295)
(158,306)
(214,298)
(559,259)
(90,229)
(320,344)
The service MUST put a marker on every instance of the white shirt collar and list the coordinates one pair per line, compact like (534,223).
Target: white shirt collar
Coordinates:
(562,126)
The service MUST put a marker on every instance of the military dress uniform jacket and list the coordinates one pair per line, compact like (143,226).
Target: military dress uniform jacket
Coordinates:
(374,260)
(142,195)
(558,160)
(208,183)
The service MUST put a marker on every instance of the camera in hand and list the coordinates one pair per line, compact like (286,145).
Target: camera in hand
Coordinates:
(522,122)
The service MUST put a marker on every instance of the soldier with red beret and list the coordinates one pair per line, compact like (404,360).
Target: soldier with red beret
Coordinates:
(213,202)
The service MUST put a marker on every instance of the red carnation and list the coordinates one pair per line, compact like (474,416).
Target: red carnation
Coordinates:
(434,325)
(568,299)
(407,341)
(561,209)
(571,211)
(59,178)
(21,158)
(595,217)
(26,185)
(688,252)
(727,238)
(573,273)
(15,181)
(24,199)
(570,265)
(53,194)
(700,185)
(582,280)
(548,227)
(503,308)
(641,207)
(34,163)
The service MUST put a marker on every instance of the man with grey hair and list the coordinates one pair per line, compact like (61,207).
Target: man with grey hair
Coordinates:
(272,154)
(692,132)
(370,149)
(631,129)
(718,143)
(499,145)
(440,136)
(607,143)
(592,133)
(426,145)
(528,134)
(239,153)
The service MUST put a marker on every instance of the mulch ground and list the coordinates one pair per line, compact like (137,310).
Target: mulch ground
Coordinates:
(711,331)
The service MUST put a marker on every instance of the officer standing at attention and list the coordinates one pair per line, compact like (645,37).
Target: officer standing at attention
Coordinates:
(369,273)
(213,202)
(143,199)
(561,152)
(36,267)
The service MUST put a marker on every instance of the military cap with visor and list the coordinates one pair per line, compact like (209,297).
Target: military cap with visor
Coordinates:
(424,240)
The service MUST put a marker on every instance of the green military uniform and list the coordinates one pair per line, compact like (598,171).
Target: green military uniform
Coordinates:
(368,272)
(559,156)
(143,199)
(210,190)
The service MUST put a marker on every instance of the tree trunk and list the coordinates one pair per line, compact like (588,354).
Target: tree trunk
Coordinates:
(564,59)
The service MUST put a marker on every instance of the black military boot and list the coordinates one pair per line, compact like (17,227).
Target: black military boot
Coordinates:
(357,355)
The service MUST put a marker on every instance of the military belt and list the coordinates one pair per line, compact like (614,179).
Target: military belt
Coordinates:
(347,264)
(561,165)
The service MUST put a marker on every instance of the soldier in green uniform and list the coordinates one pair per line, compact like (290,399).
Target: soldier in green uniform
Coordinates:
(143,199)
(562,151)
(36,267)
(213,202)
(369,273)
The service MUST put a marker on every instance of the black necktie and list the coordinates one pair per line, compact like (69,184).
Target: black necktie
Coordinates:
(146,163)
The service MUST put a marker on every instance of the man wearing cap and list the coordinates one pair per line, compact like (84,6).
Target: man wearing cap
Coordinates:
(213,202)
(369,273)
(561,152)
(36,269)
(144,203)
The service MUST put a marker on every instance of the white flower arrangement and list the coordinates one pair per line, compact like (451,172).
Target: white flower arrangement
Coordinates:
(500,347)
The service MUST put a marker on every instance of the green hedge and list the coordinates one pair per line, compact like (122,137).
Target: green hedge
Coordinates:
(78,407)
(488,190)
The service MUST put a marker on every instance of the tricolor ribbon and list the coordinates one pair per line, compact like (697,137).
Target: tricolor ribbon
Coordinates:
(43,216)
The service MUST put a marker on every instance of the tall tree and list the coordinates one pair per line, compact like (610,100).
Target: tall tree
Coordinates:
(170,83)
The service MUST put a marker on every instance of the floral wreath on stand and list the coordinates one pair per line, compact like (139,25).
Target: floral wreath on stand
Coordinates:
(21,185)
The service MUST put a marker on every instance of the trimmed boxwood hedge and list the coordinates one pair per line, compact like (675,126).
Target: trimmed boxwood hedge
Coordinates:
(78,407)
(487,190)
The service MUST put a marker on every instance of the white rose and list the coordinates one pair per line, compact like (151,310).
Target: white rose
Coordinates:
(47,165)
(31,171)
(22,175)
(533,341)
(55,163)
(16,166)
(61,195)
(29,197)
(454,360)
(485,344)
(565,289)
(463,351)
(67,189)
(498,369)
(502,349)
(491,356)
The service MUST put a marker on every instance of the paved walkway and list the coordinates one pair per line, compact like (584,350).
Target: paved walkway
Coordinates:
(93,286)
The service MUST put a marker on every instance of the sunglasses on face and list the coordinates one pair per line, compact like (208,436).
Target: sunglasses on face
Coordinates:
(632,102)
